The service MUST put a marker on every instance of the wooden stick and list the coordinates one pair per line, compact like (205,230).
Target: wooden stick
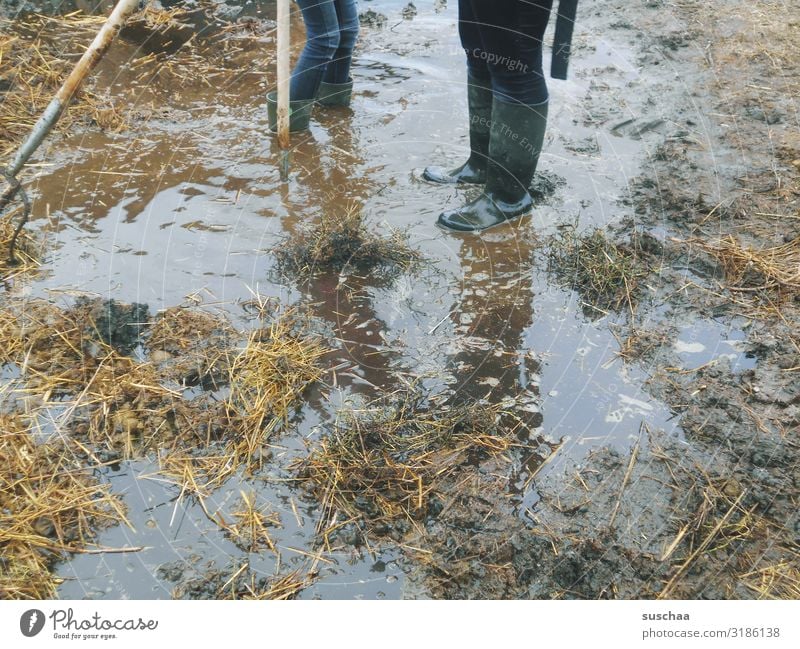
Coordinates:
(91,57)
(284,44)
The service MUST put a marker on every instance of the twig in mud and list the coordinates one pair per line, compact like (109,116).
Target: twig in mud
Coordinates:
(440,323)
(625,479)
(110,550)
(675,542)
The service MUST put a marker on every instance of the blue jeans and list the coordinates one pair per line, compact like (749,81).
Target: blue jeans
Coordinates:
(503,43)
(331,32)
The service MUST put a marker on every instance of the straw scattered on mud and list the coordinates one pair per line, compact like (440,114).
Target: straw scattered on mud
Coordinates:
(236,582)
(774,269)
(25,259)
(37,52)
(76,380)
(50,505)
(80,356)
(265,381)
(35,57)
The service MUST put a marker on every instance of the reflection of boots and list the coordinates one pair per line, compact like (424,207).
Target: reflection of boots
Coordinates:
(515,142)
(473,171)
(335,94)
(299,112)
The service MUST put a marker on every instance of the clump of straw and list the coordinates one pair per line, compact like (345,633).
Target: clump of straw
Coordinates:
(250,531)
(268,376)
(192,346)
(242,583)
(265,381)
(385,463)
(337,242)
(605,274)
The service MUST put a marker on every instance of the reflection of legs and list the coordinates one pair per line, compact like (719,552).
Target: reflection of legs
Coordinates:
(479,100)
(492,312)
(511,37)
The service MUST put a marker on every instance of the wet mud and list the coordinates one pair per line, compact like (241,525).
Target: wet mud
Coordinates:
(643,383)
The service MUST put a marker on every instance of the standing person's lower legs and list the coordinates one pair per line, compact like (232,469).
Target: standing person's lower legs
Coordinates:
(511,34)
(479,102)
(338,70)
(337,85)
(322,42)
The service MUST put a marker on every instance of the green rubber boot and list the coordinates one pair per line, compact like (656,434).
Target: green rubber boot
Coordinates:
(515,142)
(299,113)
(473,171)
(335,94)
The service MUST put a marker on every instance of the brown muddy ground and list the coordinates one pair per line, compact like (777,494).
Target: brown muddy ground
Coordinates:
(659,454)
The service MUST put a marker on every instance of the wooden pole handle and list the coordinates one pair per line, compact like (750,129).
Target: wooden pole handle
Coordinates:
(284,44)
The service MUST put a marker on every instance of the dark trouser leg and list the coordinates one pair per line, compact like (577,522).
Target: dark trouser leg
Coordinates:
(469,31)
(511,35)
(479,100)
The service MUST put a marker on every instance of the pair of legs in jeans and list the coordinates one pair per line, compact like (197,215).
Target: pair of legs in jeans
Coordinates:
(508,101)
(331,32)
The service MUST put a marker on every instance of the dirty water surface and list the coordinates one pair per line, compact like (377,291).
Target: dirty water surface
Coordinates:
(185,206)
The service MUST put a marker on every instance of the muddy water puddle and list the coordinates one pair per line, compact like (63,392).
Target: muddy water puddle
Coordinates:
(188,204)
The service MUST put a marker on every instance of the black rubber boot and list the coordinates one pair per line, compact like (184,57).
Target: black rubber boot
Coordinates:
(335,94)
(515,142)
(473,171)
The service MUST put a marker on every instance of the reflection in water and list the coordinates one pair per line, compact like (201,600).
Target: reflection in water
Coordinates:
(489,353)
(331,174)
(494,307)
